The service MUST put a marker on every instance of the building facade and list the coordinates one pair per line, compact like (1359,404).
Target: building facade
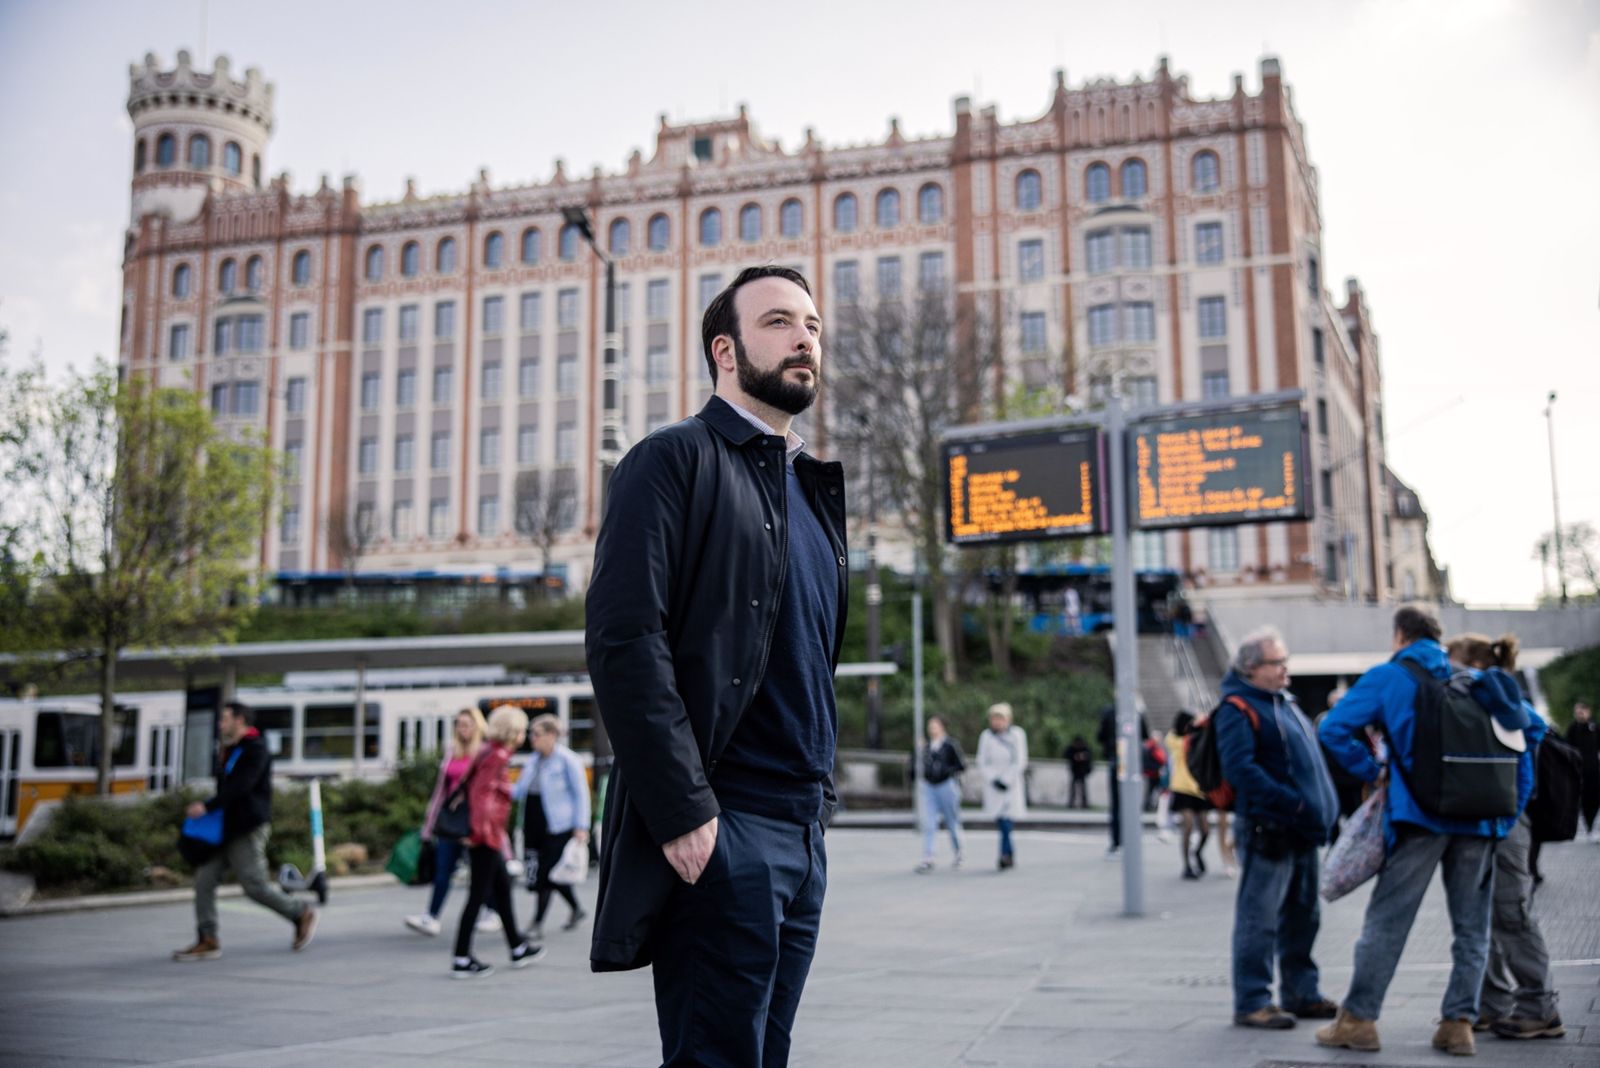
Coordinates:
(431,367)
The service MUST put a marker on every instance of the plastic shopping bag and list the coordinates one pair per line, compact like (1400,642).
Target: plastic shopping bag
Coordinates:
(573,867)
(1358,854)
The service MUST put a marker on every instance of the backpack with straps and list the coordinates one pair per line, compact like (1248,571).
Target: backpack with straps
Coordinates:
(1205,761)
(1460,770)
(1558,779)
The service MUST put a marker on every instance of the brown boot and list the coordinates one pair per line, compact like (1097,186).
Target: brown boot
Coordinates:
(304,928)
(1349,1032)
(1455,1038)
(206,947)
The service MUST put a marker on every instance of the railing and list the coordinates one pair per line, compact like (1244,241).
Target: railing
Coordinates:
(1201,696)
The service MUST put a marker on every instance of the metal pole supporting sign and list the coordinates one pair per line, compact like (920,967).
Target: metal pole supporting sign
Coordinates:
(1129,750)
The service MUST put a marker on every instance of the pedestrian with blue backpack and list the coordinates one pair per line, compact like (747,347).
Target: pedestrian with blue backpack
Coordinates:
(1460,771)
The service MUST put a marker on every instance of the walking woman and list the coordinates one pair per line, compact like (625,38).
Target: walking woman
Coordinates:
(465,742)
(556,787)
(941,792)
(1002,758)
(489,798)
(1188,800)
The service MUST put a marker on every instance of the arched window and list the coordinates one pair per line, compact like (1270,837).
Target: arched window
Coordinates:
(300,268)
(166,150)
(530,245)
(494,250)
(444,257)
(567,242)
(138,157)
(619,240)
(1205,173)
(844,213)
(199,152)
(182,279)
(1030,191)
(660,232)
(930,204)
(887,209)
(791,218)
(375,263)
(227,276)
(750,223)
(710,228)
(252,274)
(232,158)
(1097,183)
(1134,178)
(410,259)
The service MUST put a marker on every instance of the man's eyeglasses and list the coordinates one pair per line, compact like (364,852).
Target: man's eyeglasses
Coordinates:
(1279,662)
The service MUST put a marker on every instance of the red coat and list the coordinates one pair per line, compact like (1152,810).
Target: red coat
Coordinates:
(490,797)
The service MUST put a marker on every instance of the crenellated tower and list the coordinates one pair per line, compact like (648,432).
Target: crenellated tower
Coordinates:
(195,132)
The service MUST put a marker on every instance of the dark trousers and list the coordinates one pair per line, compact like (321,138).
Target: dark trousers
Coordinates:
(1116,807)
(1078,795)
(489,882)
(550,848)
(731,952)
(1590,800)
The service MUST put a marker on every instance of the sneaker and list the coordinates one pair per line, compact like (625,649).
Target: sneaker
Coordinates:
(472,969)
(205,947)
(1486,1021)
(1267,1018)
(526,954)
(304,928)
(488,922)
(422,923)
(1350,1032)
(1455,1038)
(923,867)
(1528,1027)
(577,917)
(1162,836)
(1320,1009)
(1190,873)
(956,863)
(1229,871)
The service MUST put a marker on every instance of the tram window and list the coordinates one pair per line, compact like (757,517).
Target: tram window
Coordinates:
(276,725)
(11,785)
(72,739)
(329,732)
(581,713)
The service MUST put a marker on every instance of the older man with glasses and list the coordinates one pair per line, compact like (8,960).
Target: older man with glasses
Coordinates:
(1285,809)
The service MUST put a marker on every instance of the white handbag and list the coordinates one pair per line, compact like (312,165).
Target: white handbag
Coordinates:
(573,867)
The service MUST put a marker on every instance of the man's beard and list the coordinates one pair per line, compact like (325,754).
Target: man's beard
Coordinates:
(770,387)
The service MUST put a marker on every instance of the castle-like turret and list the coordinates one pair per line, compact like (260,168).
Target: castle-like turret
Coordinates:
(195,131)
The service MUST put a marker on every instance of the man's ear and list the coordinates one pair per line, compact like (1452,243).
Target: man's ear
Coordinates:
(722,352)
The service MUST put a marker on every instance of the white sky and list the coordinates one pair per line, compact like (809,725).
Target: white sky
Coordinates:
(1458,143)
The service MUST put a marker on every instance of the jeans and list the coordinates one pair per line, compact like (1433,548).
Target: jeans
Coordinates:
(1517,981)
(1004,825)
(941,801)
(1468,867)
(447,853)
(489,883)
(1276,914)
(247,856)
(731,952)
(1078,794)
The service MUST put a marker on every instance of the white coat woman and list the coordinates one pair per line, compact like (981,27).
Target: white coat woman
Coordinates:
(1002,760)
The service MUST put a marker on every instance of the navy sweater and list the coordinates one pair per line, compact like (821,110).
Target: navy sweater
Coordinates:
(783,747)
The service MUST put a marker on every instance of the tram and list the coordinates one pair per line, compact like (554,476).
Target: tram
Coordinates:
(49,747)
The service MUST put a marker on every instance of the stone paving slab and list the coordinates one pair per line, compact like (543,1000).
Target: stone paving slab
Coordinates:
(1036,966)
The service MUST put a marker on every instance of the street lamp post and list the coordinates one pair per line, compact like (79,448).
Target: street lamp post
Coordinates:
(874,594)
(1555,497)
(610,425)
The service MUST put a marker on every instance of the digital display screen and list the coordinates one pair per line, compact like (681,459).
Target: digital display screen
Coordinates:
(1215,468)
(1025,487)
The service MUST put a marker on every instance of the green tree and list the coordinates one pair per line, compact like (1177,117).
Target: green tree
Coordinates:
(129,518)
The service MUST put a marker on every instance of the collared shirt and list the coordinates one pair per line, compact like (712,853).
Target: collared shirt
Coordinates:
(793,443)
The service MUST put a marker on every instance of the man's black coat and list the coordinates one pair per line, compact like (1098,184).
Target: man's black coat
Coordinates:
(682,604)
(244,794)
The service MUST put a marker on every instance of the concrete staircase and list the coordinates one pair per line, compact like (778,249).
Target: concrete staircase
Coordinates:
(1173,676)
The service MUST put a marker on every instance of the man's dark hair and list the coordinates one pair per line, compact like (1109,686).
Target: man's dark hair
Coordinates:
(722,318)
(1416,621)
(240,710)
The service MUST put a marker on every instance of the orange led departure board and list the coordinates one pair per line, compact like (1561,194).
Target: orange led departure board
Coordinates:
(1024,487)
(1213,468)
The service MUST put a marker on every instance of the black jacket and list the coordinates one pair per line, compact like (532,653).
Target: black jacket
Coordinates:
(245,793)
(941,762)
(689,567)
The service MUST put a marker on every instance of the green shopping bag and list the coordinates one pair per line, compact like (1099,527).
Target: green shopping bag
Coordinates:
(405,859)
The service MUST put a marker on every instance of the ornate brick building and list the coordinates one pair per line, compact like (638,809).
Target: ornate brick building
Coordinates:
(413,359)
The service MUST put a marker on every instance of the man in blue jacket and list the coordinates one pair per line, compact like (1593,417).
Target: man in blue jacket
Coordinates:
(1418,841)
(1285,809)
